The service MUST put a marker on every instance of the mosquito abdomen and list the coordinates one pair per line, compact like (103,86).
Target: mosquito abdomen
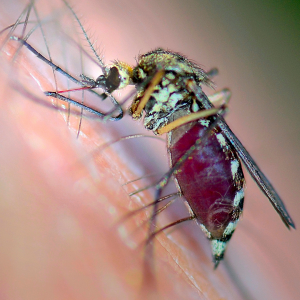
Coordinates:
(211,180)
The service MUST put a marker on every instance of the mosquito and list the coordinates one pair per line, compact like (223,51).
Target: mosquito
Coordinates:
(205,155)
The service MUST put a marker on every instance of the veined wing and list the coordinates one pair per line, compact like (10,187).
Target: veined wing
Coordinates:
(252,167)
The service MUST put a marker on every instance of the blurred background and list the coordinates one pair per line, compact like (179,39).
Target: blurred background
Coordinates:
(255,45)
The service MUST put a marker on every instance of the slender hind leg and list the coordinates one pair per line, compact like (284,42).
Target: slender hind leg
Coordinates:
(220,98)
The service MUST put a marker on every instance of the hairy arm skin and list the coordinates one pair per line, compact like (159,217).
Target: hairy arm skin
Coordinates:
(58,212)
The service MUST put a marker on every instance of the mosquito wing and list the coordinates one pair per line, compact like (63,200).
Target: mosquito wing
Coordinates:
(252,167)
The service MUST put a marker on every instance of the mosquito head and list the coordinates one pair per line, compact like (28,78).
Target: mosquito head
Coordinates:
(118,77)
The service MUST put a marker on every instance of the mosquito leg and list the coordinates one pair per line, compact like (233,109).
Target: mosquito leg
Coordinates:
(212,73)
(156,213)
(75,103)
(189,118)
(81,83)
(44,59)
(138,107)
(14,26)
(142,189)
(220,98)
(150,238)
(132,213)
(87,80)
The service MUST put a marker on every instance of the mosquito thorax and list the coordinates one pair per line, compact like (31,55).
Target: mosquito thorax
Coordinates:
(171,93)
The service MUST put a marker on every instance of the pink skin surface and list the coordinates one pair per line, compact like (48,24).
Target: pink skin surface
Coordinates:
(60,204)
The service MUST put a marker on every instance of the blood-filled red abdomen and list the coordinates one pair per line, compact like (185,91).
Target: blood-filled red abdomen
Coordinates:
(210,179)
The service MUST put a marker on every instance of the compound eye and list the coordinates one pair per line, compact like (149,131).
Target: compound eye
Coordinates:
(124,72)
(113,79)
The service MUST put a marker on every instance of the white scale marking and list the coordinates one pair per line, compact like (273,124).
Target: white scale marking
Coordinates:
(170,76)
(230,228)
(165,82)
(221,139)
(163,95)
(207,233)
(234,167)
(175,98)
(218,247)
(204,122)
(195,107)
(172,88)
(238,197)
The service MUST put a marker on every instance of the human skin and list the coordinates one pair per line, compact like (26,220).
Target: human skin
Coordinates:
(59,210)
